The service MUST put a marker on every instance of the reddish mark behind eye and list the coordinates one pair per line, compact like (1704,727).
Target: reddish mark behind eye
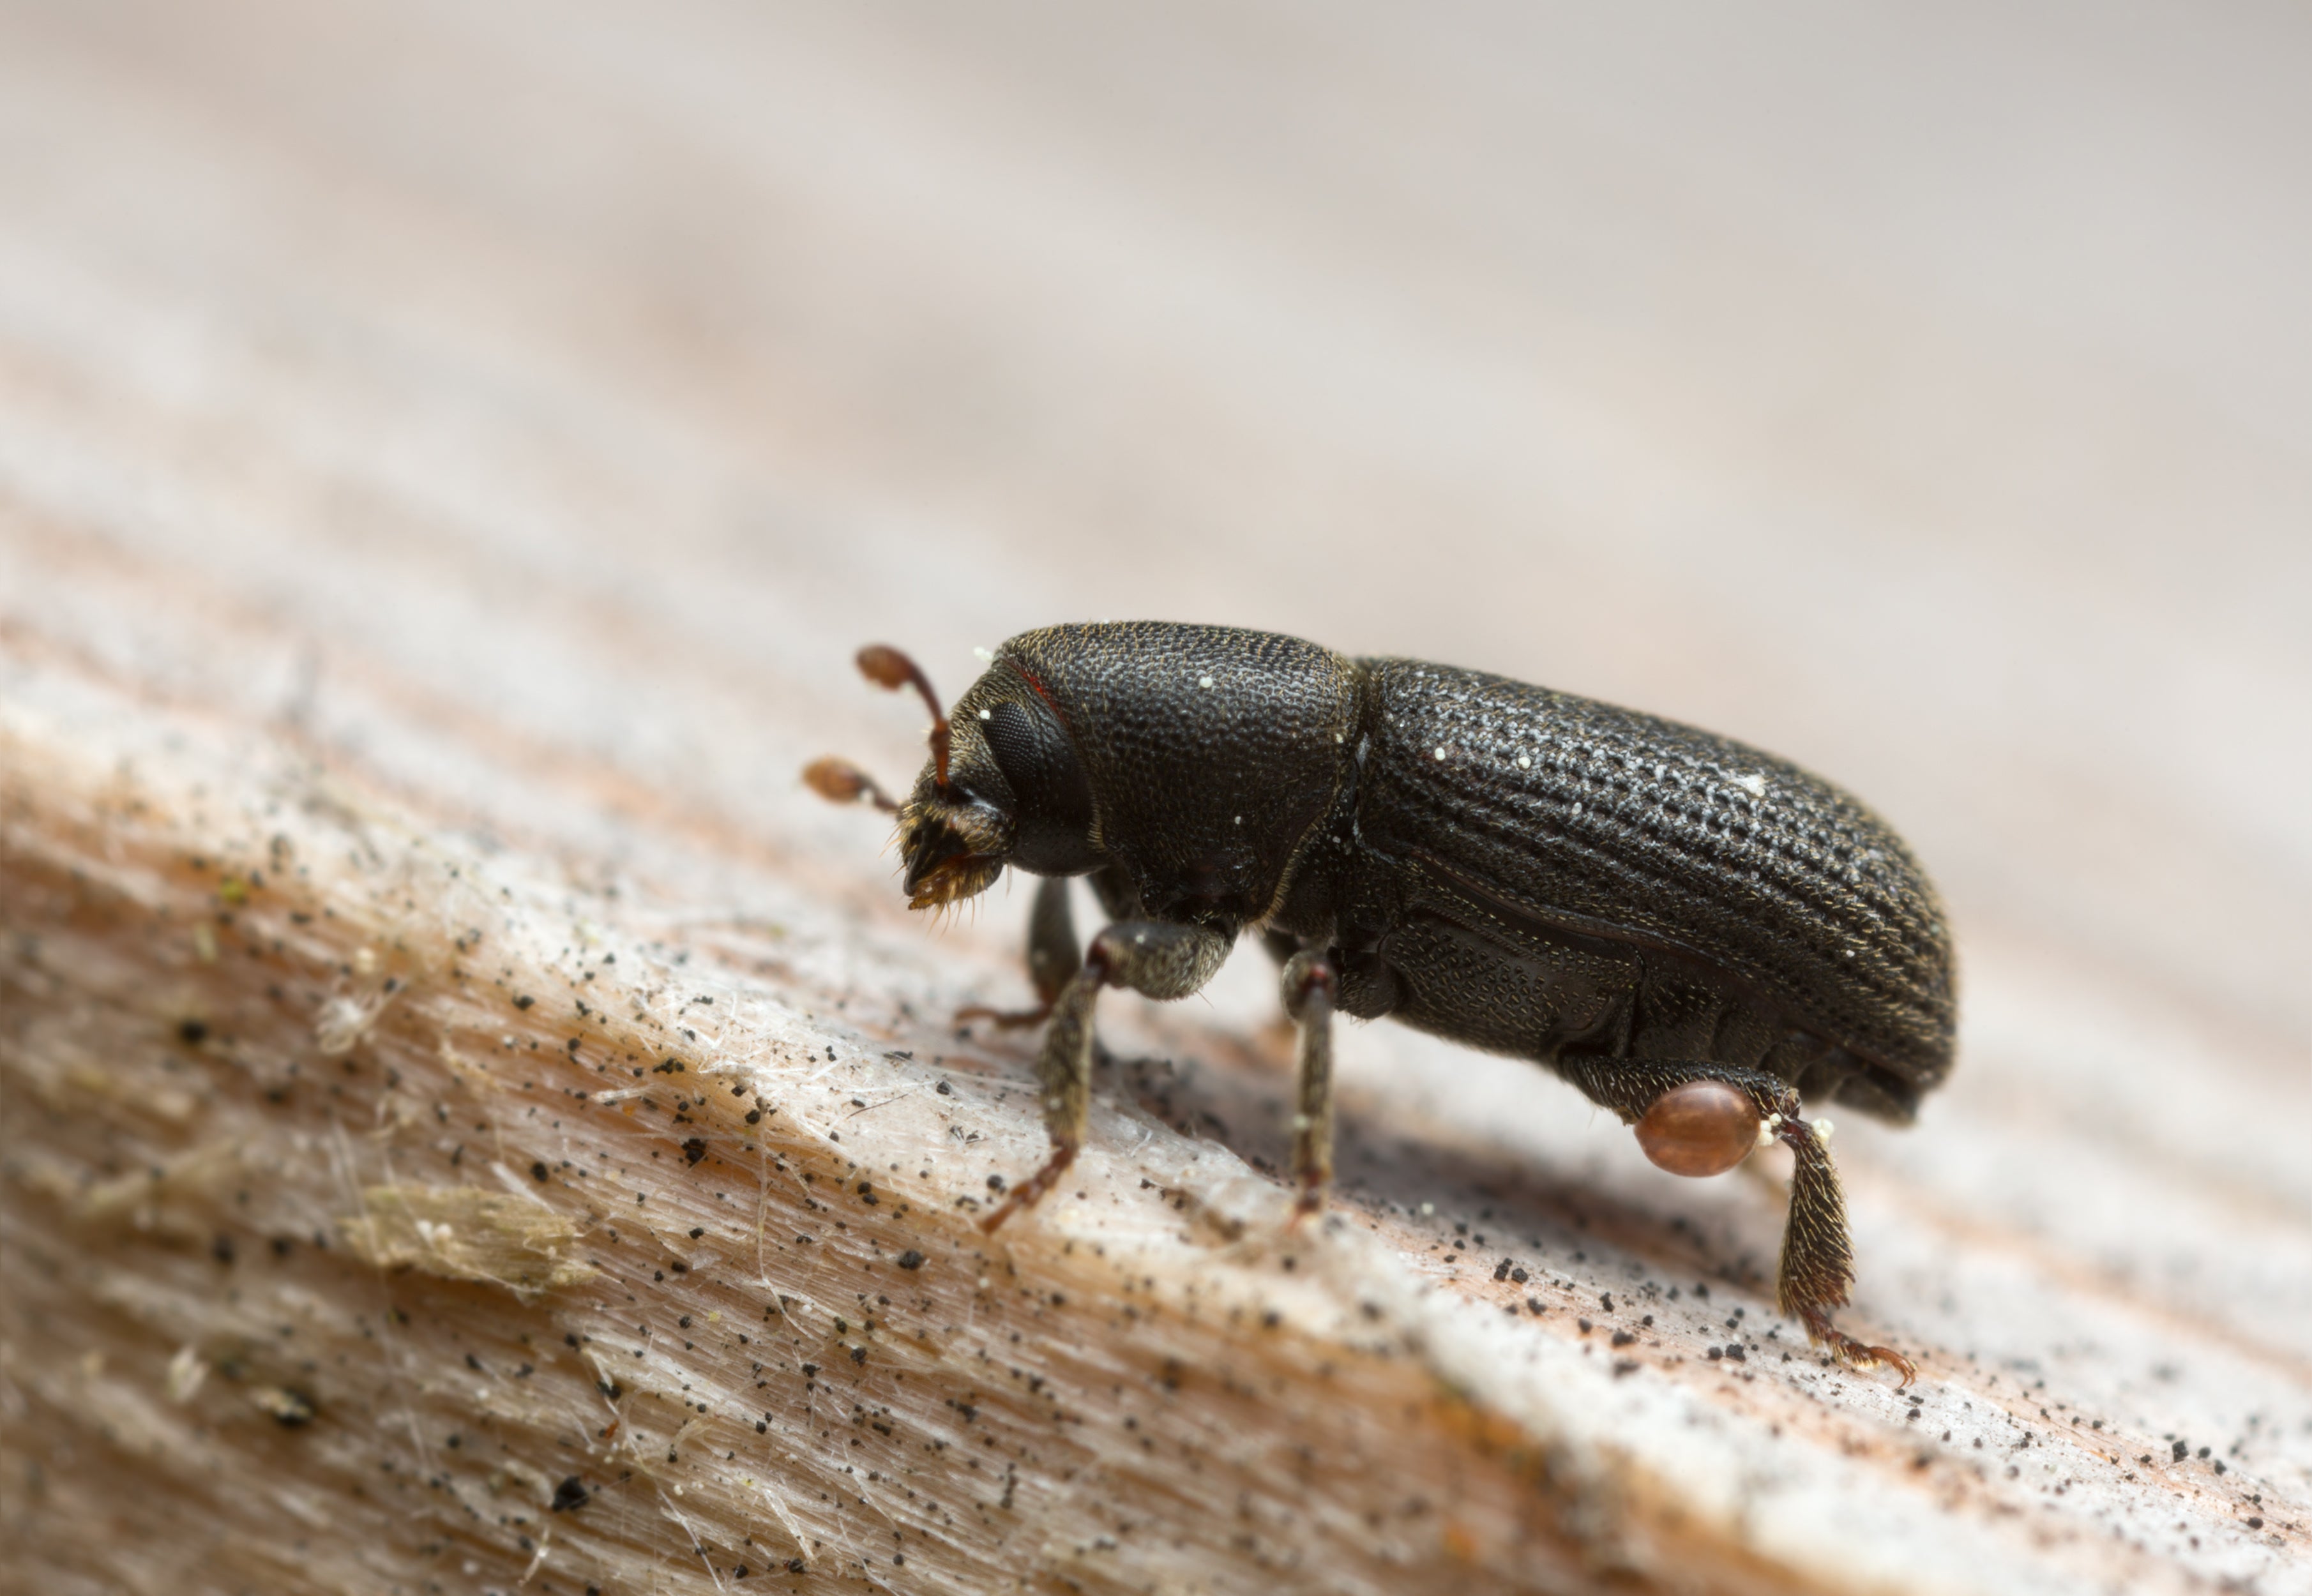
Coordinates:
(1042,692)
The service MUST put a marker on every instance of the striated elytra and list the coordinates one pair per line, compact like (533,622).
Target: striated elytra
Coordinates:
(1697,935)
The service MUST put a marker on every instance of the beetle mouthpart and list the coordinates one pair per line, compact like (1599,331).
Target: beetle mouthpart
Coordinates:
(952,852)
(1703,1128)
(966,876)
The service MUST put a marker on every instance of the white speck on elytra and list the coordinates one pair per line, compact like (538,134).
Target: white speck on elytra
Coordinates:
(1754,784)
(1440,753)
(1525,762)
(1204,681)
(1239,820)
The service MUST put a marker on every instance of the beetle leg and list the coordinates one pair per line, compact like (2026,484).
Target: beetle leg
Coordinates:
(1818,1262)
(1817,1266)
(1308,989)
(1053,957)
(1157,958)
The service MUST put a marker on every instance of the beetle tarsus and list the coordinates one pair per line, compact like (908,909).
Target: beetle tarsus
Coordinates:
(1030,1192)
(1854,1353)
(1004,1019)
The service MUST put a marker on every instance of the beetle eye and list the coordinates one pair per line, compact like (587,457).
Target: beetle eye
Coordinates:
(1054,798)
(1703,1128)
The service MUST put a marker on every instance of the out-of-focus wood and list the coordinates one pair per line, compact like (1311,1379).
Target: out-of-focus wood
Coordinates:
(447,457)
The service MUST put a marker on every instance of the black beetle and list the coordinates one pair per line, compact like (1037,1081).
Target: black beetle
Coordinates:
(1694,933)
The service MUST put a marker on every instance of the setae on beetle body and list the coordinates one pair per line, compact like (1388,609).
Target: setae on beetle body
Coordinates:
(1695,934)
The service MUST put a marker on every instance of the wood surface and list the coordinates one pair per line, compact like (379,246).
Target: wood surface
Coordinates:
(474,1123)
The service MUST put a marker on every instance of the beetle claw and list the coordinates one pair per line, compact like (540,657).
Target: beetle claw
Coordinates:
(1030,1192)
(1854,1353)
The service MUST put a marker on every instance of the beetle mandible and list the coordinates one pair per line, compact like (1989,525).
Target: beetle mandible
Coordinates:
(1695,934)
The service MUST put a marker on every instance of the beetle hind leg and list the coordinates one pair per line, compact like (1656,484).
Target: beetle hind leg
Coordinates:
(1818,1265)
(1817,1270)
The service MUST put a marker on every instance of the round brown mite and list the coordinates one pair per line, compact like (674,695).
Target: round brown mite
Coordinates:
(1703,1128)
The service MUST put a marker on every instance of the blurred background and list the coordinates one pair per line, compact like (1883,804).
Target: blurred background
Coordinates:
(1926,395)
(533,406)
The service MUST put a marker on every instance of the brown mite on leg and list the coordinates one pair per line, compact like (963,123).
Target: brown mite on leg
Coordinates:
(1705,1123)
(1703,1128)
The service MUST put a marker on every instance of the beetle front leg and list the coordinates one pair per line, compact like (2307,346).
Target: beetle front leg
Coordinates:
(1309,988)
(1053,958)
(1817,1260)
(1152,957)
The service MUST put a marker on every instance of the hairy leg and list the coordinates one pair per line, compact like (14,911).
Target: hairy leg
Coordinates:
(1152,957)
(1818,1262)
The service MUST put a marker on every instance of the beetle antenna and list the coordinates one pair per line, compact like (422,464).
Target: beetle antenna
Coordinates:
(891,670)
(839,782)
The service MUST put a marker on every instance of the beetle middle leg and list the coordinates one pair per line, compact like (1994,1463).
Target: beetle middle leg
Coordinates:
(1309,988)
(1053,958)
(1818,1262)
(1156,958)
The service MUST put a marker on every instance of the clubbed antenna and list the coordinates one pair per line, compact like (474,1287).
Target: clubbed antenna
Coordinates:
(839,782)
(888,669)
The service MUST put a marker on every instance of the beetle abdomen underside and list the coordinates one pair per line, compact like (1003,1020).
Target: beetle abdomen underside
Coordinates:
(1615,824)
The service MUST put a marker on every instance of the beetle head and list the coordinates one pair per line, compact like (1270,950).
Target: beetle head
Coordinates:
(1002,786)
